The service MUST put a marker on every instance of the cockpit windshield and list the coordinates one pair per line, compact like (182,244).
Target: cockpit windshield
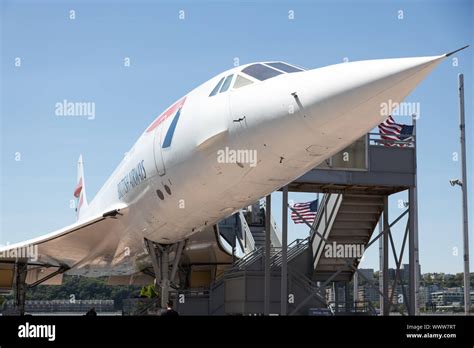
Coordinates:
(254,73)
(261,72)
(284,67)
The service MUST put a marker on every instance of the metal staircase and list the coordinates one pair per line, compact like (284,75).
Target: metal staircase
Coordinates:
(256,223)
(295,249)
(346,221)
(236,231)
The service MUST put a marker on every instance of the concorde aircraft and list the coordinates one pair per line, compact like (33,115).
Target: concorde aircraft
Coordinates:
(184,173)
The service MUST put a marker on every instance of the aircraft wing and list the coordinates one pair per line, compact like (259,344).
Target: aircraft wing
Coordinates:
(90,242)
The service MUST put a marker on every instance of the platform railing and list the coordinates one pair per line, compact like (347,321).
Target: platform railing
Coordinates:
(375,139)
(295,248)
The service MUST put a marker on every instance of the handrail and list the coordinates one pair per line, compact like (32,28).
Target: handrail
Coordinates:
(321,210)
(410,142)
(294,249)
(247,259)
(152,303)
(327,221)
(274,231)
(247,234)
(309,284)
(354,307)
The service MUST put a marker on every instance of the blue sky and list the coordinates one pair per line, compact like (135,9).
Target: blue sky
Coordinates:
(83,60)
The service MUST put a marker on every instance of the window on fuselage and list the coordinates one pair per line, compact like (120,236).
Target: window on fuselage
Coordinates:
(261,72)
(226,84)
(216,89)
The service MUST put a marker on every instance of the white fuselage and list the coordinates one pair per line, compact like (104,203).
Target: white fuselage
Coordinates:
(290,122)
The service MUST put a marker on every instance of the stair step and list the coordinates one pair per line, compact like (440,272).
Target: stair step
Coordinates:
(350,232)
(362,199)
(349,239)
(359,195)
(362,204)
(352,225)
(349,217)
(360,210)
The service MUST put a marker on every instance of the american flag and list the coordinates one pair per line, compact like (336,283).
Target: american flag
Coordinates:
(393,132)
(307,212)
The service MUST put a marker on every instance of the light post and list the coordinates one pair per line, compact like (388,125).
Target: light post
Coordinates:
(463,184)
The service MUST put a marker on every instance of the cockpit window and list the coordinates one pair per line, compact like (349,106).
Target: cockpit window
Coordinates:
(241,81)
(284,67)
(260,71)
(216,89)
(226,84)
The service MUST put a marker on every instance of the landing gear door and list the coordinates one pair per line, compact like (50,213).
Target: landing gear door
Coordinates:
(158,151)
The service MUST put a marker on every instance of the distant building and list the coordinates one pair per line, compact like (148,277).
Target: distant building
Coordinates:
(391,273)
(367,273)
(368,293)
(404,274)
(331,296)
(449,297)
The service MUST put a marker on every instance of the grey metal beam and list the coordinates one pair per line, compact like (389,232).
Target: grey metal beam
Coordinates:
(355,289)
(60,270)
(176,260)
(155,262)
(385,230)
(318,291)
(380,263)
(385,286)
(21,270)
(398,262)
(268,211)
(349,262)
(415,221)
(284,254)
(165,282)
(411,254)
(346,297)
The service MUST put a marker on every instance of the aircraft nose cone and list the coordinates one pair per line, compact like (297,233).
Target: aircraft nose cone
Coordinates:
(356,92)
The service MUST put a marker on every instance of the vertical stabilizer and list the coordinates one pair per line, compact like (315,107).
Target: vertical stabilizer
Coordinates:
(80,190)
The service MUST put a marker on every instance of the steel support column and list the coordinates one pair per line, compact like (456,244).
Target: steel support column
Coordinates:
(268,212)
(346,297)
(380,224)
(21,270)
(159,254)
(411,301)
(414,201)
(349,262)
(165,281)
(355,291)
(284,254)
(385,284)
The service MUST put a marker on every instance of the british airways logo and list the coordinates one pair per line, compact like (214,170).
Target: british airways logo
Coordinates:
(175,110)
(132,179)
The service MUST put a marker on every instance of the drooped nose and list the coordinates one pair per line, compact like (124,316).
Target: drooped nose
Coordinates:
(360,94)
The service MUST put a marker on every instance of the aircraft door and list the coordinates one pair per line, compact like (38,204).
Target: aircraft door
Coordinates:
(158,151)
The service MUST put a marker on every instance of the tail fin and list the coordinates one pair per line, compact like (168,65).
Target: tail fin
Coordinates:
(80,190)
